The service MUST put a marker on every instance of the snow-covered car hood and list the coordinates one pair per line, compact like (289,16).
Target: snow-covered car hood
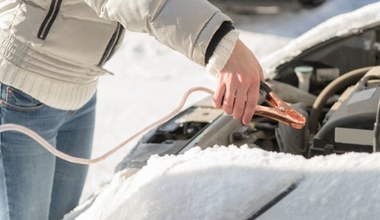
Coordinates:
(340,26)
(233,183)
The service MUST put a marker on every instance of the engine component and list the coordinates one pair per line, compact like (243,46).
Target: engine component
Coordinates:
(291,140)
(342,82)
(349,124)
(303,74)
(172,136)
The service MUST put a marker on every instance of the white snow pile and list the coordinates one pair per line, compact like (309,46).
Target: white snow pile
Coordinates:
(234,183)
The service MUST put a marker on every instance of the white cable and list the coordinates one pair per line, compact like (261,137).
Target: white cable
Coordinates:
(78,160)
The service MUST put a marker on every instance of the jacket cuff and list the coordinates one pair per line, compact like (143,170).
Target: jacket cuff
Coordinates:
(222,52)
(224,28)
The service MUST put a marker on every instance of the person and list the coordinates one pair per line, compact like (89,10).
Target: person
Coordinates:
(51,57)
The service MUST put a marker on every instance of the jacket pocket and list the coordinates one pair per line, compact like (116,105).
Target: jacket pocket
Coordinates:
(55,5)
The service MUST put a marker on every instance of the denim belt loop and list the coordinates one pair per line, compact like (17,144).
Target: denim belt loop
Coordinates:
(4,92)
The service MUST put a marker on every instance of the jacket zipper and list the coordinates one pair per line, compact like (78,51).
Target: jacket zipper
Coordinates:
(49,19)
(112,44)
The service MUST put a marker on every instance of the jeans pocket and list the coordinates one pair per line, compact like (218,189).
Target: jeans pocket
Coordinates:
(19,101)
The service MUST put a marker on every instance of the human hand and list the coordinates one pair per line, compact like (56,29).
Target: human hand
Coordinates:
(237,92)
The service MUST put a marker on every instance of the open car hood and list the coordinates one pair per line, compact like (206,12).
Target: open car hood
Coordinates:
(323,35)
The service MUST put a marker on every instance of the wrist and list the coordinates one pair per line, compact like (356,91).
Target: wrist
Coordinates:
(222,52)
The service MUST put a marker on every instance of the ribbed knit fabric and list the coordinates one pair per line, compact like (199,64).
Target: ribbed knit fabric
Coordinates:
(222,52)
(57,83)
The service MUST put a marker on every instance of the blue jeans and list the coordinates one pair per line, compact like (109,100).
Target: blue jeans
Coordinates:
(34,184)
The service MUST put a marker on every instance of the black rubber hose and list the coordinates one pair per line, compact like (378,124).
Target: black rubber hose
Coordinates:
(265,87)
(344,80)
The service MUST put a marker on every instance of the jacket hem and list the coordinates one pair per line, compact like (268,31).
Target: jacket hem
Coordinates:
(56,94)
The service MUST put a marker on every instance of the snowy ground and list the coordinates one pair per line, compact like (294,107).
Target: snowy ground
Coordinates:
(150,78)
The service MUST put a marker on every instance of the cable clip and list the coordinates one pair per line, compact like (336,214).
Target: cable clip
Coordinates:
(279,110)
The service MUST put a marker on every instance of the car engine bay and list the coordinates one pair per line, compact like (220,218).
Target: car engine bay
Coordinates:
(334,84)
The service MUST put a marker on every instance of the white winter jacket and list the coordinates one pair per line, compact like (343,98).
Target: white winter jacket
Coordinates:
(54,49)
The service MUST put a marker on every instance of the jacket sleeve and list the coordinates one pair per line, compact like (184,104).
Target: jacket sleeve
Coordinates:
(184,25)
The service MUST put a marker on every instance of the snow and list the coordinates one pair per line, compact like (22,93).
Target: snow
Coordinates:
(149,80)
(234,183)
(337,26)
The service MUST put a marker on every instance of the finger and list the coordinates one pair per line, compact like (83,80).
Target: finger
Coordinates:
(228,102)
(218,95)
(261,72)
(250,105)
(239,104)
